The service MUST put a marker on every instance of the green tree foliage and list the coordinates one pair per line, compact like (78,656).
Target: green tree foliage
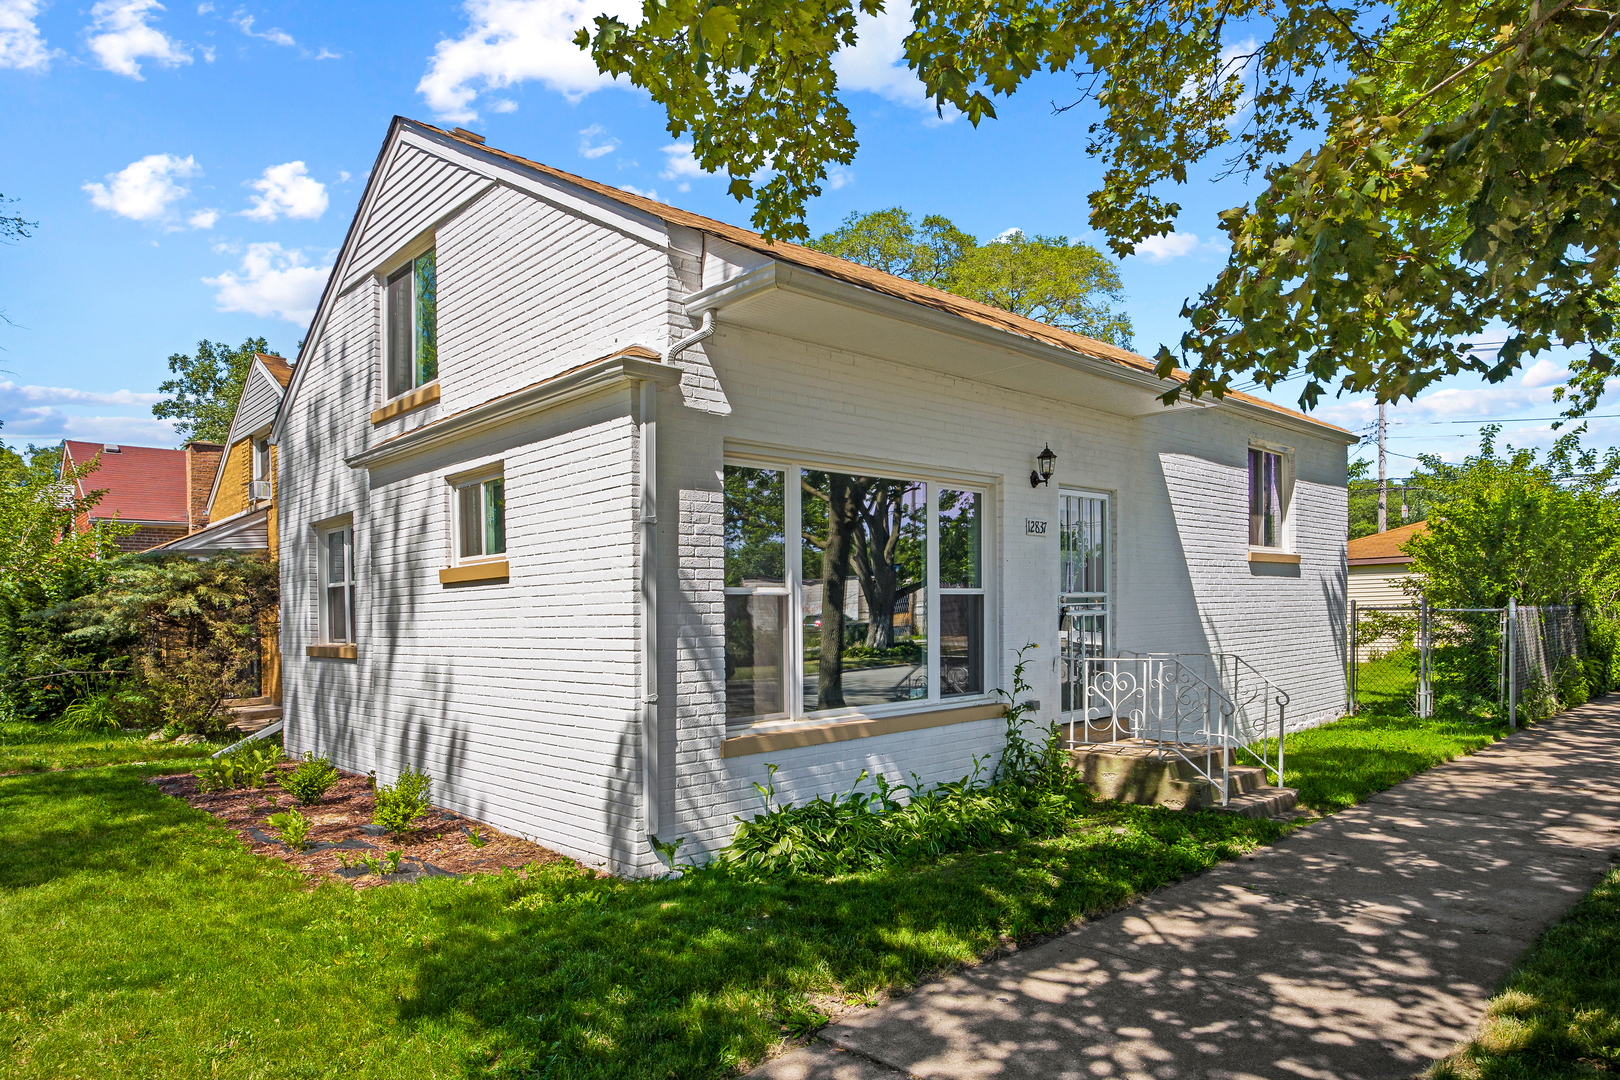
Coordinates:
(188,628)
(1427,168)
(12,226)
(205,388)
(44,563)
(1509,524)
(1042,277)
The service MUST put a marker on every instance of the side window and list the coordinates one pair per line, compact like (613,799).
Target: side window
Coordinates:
(337,585)
(481,518)
(412,323)
(1267,490)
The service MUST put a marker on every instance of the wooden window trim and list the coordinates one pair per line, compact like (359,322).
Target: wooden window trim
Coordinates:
(337,651)
(419,398)
(467,573)
(1272,555)
(855,727)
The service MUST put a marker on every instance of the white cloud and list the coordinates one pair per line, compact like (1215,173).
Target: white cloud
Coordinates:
(328,54)
(205,9)
(837,178)
(21,45)
(11,394)
(1544,372)
(287,190)
(1160,249)
(651,193)
(274,35)
(592,145)
(1007,234)
(203,219)
(514,41)
(33,413)
(120,37)
(144,189)
(877,62)
(271,281)
(679,162)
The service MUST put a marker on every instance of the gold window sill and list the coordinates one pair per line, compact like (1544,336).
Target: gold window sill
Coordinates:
(855,727)
(416,399)
(1267,556)
(348,651)
(486,571)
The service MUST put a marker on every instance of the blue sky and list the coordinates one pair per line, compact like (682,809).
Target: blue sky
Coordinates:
(193,167)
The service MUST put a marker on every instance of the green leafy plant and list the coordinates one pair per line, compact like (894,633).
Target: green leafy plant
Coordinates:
(93,714)
(291,826)
(372,863)
(313,778)
(668,848)
(404,803)
(390,861)
(476,838)
(1021,762)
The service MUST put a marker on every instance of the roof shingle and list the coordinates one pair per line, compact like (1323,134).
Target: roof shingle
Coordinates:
(143,483)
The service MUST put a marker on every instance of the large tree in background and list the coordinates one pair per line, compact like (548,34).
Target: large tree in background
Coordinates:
(1042,277)
(204,390)
(1426,168)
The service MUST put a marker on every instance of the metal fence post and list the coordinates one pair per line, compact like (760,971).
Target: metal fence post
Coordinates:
(1423,688)
(1513,663)
(1350,663)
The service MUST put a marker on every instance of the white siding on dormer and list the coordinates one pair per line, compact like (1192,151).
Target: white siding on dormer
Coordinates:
(261,396)
(417,191)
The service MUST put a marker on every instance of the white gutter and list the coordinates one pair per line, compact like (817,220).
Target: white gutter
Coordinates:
(647,442)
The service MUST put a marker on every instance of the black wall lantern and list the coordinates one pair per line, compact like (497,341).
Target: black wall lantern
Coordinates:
(1045,462)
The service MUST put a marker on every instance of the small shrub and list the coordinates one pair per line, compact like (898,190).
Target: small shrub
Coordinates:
(390,861)
(402,805)
(291,826)
(476,838)
(1572,684)
(137,708)
(93,714)
(312,779)
(1537,701)
(215,774)
(249,764)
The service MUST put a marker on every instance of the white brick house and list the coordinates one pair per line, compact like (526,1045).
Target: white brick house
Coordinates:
(509,556)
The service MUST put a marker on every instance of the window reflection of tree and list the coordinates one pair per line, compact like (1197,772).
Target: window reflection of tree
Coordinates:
(875,528)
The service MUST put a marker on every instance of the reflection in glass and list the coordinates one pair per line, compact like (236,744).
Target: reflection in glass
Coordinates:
(960,540)
(1265,499)
(961,643)
(755,652)
(754,544)
(1082,538)
(865,570)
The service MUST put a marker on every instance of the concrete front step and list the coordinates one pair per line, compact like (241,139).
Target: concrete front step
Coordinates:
(1145,773)
(247,720)
(1263,802)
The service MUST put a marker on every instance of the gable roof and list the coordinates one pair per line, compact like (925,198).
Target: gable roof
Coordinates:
(795,254)
(278,368)
(1383,548)
(263,391)
(143,483)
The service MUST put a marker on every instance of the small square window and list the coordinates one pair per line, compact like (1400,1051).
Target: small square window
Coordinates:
(1267,498)
(412,325)
(481,518)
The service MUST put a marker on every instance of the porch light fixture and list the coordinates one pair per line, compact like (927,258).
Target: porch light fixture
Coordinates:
(1045,462)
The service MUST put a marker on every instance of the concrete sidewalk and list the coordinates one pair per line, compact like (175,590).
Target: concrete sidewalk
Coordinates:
(1364,945)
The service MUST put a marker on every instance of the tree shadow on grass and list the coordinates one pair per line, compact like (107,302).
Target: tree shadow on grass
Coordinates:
(570,976)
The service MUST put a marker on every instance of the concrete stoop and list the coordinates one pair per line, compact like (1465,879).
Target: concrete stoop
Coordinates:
(248,715)
(1138,772)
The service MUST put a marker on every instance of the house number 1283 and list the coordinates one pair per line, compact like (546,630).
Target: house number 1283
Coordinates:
(1034,528)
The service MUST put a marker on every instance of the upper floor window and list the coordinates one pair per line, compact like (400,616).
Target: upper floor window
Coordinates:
(1267,505)
(481,518)
(412,330)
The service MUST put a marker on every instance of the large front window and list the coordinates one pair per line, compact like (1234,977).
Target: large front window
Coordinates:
(877,600)
(413,325)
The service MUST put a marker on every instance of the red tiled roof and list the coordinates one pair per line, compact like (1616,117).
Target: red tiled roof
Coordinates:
(143,483)
(1384,547)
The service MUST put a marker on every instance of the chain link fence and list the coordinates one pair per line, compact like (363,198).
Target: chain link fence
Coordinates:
(1479,665)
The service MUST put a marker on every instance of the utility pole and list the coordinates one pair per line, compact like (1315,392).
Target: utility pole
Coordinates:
(1383,477)
(1403,504)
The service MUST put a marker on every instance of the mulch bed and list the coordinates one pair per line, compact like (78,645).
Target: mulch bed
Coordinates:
(341,833)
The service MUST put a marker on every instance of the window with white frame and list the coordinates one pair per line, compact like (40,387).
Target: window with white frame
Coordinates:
(480,512)
(877,600)
(412,341)
(337,584)
(261,459)
(1267,497)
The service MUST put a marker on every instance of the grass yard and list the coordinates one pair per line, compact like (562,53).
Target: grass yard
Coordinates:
(1558,1014)
(29,747)
(142,939)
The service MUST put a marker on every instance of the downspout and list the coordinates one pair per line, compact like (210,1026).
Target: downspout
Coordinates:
(648,444)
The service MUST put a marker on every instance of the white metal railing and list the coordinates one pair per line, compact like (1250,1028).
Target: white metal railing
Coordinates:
(1260,706)
(1179,708)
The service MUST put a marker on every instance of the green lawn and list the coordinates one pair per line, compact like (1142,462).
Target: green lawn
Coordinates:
(30,747)
(1558,1013)
(142,939)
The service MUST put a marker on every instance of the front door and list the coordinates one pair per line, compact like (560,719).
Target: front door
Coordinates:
(1084,612)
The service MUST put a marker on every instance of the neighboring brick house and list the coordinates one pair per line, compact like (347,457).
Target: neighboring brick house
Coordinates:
(238,503)
(555,446)
(146,486)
